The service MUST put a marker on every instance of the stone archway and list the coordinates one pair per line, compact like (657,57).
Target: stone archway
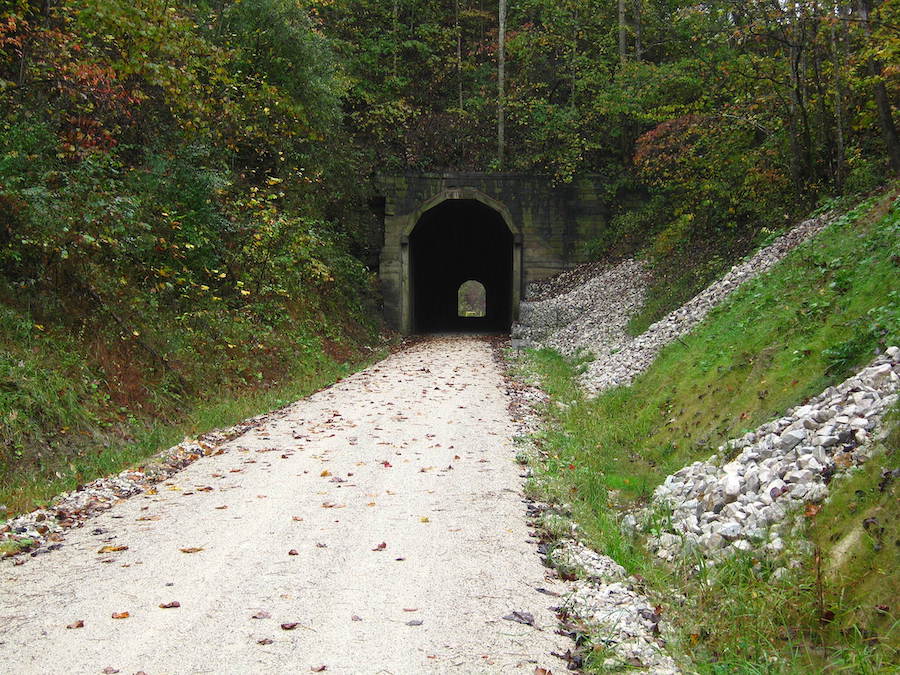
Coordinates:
(457,235)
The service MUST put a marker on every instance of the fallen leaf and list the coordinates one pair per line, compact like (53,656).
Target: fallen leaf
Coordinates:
(380,547)
(410,609)
(191,549)
(415,622)
(152,491)
(76,624)
(265,641)
(386,464)
(424,519)
(149,518)
(297,518)
(224,506)
(542,671)
(109,670)
(289,626)
(293,551)
(325,473)
(170,605)
(521,617)
(371,504)
(112,549)
(120,615)
(811,510)
(261,614)
(321,545)
(355,618)
(318,669)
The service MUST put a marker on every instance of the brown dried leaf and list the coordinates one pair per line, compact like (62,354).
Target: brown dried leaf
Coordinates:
(318,669)
(261,614)
(542,671)
(297,518)
(289,626)
(191,549)
(120,615)
(293,551)
(148,518)
(170,605)
(112,549)
(356,618)
(265,641)
(76,624)
(381,546)
(109,670)
(325,473)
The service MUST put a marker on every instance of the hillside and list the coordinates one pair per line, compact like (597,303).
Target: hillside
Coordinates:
(170,256)
(768,345)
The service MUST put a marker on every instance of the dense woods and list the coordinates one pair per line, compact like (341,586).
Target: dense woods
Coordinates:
(184,184)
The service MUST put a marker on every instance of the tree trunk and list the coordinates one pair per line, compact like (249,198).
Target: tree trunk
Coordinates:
(838,58)
(395,48)
(501,85)
(459,82)
(622,44)
(885,119)
(638,31)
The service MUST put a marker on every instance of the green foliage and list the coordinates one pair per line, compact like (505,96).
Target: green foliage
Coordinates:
(176,222)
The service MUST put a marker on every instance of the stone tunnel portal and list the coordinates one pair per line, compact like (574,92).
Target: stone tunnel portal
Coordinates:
(456,241)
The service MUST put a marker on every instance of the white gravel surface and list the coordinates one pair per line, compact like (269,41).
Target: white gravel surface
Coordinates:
(402,564)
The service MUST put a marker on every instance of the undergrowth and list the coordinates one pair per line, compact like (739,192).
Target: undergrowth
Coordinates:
(780,339)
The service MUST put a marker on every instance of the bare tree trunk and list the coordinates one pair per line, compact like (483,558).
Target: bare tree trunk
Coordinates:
(395,48)
(622,44)
(638,31)
(838,57)
(885,119)
(459,82)
(501,85)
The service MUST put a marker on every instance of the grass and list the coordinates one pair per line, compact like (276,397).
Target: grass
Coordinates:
(778,340)
(87,446)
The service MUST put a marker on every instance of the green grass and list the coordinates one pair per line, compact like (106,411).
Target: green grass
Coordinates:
(778,340)
(89,445)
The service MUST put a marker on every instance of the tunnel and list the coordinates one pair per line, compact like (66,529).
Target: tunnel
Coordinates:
(455,242)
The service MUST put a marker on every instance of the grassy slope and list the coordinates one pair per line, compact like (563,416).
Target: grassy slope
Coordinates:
(778,340)
(74,407)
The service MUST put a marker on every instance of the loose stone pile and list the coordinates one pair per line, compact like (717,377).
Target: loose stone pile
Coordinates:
(591,316)
(628,360)
(73,509)
(629,625)
(719,507)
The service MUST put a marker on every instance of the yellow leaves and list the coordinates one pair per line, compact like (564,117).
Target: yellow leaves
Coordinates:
(424,519)
(112,549)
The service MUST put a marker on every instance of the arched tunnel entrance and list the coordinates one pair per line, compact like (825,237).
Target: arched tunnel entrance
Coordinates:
(457,241)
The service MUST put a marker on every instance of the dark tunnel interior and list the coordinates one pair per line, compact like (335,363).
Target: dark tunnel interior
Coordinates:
(454,242)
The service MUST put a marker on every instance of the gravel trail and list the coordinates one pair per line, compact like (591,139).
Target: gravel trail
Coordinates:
(341,515)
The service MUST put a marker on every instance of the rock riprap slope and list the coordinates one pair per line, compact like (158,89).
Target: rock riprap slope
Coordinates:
(631,359)
(743,497)
(376,526)
(589,314)
(592,316)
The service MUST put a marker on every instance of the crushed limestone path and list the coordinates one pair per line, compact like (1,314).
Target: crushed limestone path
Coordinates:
(401,563)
